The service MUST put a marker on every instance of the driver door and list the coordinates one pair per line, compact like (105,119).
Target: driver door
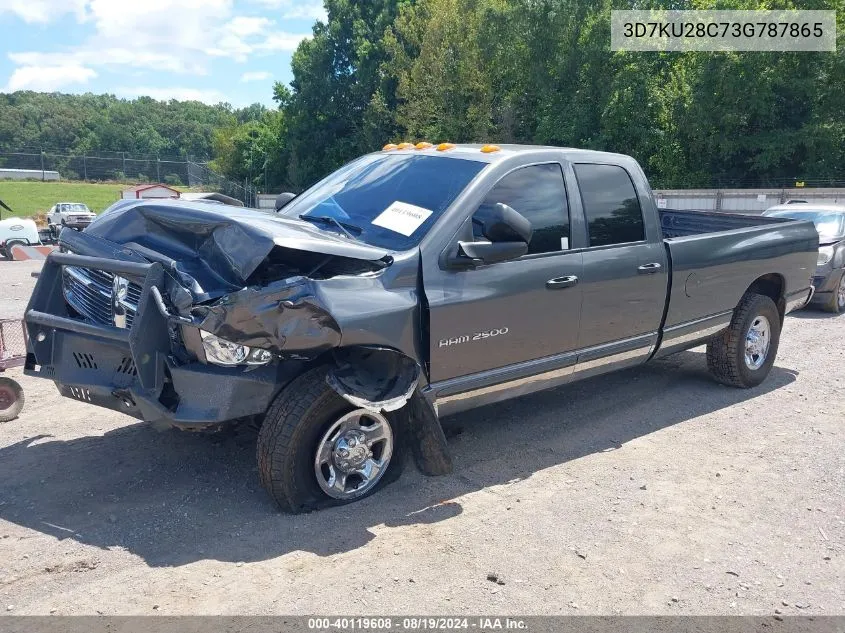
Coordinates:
(495,315)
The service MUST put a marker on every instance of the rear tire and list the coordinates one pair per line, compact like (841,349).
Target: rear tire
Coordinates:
(836,303)
(294,429)
(11,399)
(737,357)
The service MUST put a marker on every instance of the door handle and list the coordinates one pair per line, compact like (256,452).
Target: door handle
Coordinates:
(647,269)
(559,283)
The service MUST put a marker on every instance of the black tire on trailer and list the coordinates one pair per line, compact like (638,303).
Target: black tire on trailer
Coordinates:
(10,244)
(744,353)
(11,399)
(836,303)
(309,432)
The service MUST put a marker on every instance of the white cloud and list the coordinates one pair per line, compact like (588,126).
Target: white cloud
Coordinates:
(256,76)
(211,97)
(297,9)
(244,26)
(43,11)
(177,36)
(47,78)
(280,41)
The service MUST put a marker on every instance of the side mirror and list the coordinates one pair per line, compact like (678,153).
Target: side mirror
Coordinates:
(508,232)
(283,198)
(472,253)
(501,223)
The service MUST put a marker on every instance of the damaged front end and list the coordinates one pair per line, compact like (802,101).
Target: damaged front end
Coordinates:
(187,317)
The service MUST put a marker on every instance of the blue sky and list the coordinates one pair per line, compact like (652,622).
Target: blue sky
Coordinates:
(208,50)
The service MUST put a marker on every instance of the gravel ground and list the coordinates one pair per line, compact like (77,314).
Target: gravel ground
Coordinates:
(649,491)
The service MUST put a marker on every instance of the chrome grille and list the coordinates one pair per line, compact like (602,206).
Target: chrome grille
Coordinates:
(89,292)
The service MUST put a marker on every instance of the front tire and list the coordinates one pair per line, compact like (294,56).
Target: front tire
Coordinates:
(743,355)
(315,450)
(836,303)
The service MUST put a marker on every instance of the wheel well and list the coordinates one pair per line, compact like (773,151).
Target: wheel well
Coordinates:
(772,286)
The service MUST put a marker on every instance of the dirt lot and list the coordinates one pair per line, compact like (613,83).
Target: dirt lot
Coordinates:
(651,491)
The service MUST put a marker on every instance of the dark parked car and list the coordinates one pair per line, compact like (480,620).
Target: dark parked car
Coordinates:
(412,282)
(829,280)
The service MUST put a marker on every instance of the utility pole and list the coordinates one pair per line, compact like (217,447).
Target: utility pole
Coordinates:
(158,169)
(84,167)
(43,175)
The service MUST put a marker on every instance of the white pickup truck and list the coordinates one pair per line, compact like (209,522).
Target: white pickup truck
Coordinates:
(76,215)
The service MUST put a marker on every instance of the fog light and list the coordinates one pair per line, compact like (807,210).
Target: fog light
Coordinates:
(219,351)
(259,356)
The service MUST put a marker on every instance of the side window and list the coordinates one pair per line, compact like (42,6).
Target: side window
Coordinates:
(611,206)
(539,194)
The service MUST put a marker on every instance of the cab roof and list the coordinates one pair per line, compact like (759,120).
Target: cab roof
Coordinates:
(473,151)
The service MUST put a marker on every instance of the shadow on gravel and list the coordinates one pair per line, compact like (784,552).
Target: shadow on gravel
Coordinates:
(812,314)
(174,498)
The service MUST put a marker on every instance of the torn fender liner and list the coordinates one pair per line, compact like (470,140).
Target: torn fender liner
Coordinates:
(431,453)
(218,245)
(286,317)
(378,379)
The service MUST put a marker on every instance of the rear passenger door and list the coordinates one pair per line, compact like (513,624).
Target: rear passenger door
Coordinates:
(624,276)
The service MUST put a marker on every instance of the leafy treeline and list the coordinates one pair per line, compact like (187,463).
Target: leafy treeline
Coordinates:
(541,71)
(524,71)
(85,124)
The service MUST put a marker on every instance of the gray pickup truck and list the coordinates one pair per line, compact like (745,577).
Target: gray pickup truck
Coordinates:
(412,283)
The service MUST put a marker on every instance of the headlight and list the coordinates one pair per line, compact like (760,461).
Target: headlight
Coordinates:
(219,351)
(825,255)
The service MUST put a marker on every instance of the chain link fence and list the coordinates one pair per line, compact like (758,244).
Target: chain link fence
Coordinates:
(752,201)
(123,167)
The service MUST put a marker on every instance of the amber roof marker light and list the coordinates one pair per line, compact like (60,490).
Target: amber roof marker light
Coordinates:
(423,145)
(405,146)
(389,147)
(444,146)
(489,149)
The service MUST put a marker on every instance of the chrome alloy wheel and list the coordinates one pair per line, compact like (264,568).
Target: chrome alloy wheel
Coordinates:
(353,455)
(757,342)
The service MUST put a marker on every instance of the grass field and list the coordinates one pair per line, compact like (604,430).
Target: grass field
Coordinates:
(29,198)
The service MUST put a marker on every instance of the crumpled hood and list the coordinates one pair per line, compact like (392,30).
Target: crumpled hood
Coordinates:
(214,242)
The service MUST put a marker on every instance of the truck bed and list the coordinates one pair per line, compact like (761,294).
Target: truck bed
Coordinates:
(676,223)
(715,257)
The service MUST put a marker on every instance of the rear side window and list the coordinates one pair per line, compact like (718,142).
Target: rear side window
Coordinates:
(538,193)
(611,206)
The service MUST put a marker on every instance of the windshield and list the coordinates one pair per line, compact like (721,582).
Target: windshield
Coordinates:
(75,207)
(827,224)
(386,200)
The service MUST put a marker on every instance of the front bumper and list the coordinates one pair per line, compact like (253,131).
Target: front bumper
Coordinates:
(825,282)
(134,370)
(78,223)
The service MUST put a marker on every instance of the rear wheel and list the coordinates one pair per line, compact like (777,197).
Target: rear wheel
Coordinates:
(316,450)
(11,399)
(836,303)
(743,355)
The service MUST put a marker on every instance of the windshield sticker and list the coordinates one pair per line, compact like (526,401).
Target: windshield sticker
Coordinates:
(402,217)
